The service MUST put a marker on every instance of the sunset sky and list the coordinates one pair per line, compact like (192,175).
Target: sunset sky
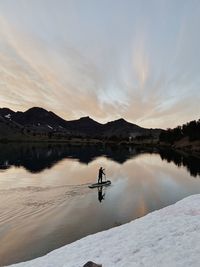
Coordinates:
(106,59)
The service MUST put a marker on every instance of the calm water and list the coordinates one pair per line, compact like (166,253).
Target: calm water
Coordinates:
(45,201)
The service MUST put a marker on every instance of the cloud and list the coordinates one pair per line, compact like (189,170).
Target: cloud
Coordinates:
(107,60)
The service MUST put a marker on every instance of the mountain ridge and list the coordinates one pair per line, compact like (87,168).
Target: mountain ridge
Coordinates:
(39,121)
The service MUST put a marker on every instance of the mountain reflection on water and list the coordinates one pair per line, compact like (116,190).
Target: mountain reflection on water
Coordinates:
(45,201)
(38,157)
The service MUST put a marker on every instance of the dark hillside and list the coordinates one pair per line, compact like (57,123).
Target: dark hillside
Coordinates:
(38,123)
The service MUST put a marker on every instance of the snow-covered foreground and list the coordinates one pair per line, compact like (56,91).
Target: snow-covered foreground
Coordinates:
(168,237)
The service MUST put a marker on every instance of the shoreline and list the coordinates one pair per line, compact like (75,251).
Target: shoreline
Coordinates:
(188,150)
(166,237)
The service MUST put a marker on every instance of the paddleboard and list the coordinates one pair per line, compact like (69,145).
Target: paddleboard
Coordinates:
(106,183)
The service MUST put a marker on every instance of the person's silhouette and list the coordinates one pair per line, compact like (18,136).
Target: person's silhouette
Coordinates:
(100,193)
(101,172)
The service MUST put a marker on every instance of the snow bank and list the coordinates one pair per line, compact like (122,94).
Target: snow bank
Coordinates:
(168,237)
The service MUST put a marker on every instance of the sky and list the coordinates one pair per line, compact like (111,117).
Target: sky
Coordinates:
(107,59)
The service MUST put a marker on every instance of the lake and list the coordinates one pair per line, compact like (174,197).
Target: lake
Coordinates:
(45,201)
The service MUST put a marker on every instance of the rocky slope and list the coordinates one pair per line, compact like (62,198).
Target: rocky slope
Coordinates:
(38,123)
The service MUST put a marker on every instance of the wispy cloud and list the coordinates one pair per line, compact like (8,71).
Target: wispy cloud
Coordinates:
(135,59)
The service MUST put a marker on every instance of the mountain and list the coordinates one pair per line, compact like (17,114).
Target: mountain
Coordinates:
(38,119)
(42,124)
(9,128)
(6,112)
(123,128)
(85,126)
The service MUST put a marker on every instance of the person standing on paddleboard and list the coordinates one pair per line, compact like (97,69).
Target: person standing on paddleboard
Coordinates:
(101,172)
